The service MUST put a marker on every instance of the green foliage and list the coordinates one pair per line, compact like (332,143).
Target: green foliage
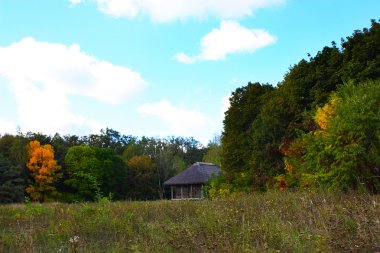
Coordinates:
(361,54)
(260,122)
(97,170)
(141,178)
(109,138)
(11,183)
(346,154)
(245,105)
(213,154)
(12,164)
(93,171)
(170,156)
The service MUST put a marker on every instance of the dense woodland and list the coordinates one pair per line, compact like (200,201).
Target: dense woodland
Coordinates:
(72,168)
(318,128)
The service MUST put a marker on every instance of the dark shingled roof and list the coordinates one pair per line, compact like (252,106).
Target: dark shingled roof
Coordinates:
(198,173)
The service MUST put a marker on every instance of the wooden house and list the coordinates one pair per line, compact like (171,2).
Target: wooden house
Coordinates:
(189,183)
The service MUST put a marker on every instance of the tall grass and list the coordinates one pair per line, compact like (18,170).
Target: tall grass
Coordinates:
(270,222)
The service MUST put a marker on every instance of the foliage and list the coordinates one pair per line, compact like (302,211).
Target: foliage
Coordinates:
(260,123)
(170,156)
(106,173)
(11,183)
(245,104)
(344,153)
(324,114)
(214,150)
(141,178)
(109,138)
(43,170)
(93,171)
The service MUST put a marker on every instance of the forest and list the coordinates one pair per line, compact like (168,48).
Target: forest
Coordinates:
(71,168)
(319,128)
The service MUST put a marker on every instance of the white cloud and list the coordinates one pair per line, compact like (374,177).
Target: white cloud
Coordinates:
(165,10)
(119,8)
(75,1)
(179,120)
(7,126)
(41,75)
(230,38)
(184,58)
(225,104)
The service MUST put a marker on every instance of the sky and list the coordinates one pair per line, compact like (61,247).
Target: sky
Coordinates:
(153,68)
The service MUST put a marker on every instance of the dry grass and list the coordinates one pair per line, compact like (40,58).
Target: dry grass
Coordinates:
(270,222)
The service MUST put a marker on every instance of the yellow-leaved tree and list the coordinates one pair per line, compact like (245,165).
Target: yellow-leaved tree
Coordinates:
(325,113)
(43,169)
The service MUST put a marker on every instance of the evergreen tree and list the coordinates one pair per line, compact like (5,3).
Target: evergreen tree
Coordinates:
(11,183)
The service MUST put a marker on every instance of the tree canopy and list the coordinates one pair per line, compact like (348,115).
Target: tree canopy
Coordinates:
(263,121)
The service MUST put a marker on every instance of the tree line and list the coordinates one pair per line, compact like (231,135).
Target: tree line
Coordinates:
(71,168)
(318,128)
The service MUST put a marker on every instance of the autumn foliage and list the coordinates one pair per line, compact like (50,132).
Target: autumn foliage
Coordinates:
(325,113)
(43,170)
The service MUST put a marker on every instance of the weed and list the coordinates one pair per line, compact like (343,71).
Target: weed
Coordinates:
(270,222)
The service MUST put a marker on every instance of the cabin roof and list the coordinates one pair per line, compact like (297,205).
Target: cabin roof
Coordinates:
(198,173)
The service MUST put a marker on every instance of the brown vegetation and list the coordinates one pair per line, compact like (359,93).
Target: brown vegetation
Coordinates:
(270,222)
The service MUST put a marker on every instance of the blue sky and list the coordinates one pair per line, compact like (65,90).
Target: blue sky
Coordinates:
(153,67)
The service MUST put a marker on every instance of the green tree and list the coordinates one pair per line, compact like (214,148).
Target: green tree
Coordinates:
(361,54)
(109,138)
(92,171)
(142,178)
(214,149)
(258,122)
(345,153)
(245,105)
(11,182)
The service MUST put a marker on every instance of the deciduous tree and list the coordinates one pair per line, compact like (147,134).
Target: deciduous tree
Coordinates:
(142,178)
(92,171)
(43,170)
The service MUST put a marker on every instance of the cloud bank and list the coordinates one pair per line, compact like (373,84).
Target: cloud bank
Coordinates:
(230,38)
(180,121)
(165,10)
(41,75)
(7,126)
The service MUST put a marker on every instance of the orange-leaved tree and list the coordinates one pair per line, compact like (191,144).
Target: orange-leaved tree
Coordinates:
(43,169)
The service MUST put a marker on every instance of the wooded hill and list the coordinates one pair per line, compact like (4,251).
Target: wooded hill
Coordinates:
(318,128)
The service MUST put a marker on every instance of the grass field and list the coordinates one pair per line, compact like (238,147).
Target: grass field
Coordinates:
(270,222)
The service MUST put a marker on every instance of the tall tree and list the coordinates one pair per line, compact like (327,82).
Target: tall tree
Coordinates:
(11,182)
(43,170)
(245,105)
(142,178)
(214,149)
(93,171)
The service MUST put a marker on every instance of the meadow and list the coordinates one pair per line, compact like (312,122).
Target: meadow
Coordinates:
(259,222)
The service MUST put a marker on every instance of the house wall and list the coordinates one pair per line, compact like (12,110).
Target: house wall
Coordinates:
(187,191)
